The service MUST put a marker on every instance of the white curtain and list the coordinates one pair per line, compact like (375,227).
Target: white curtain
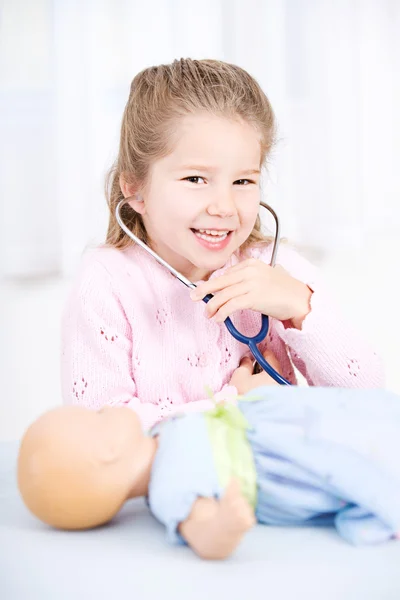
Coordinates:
(330,68)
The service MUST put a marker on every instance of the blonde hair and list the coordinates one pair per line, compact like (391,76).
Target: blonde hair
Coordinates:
(159,96)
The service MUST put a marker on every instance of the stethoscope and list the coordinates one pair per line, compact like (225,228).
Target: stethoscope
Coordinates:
(251,342)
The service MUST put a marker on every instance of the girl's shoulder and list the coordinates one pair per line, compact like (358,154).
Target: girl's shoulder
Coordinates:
(104,272)
(106,262)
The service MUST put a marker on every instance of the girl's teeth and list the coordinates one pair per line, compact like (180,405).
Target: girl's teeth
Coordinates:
(212,232)
(211,236)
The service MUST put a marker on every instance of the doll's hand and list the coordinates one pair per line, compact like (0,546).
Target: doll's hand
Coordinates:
(234,514)
(252,284)
(244,380)
(215,528)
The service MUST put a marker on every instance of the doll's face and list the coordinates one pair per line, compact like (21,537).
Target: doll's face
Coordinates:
(76,466)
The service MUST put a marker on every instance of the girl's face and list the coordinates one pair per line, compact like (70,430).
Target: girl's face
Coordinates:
(202,200)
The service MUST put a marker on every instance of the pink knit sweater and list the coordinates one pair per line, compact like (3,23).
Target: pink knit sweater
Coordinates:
(132,335)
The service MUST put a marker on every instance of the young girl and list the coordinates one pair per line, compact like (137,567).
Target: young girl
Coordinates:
(195,136)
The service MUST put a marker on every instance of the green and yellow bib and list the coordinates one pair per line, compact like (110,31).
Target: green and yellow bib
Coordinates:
(233,456)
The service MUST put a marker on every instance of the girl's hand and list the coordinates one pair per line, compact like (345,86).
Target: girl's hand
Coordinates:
(244,380)
(254,285)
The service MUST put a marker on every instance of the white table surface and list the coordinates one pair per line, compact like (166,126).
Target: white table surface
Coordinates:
(129,558)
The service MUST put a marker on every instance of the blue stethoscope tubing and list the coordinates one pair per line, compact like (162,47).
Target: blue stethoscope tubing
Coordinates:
(251,342)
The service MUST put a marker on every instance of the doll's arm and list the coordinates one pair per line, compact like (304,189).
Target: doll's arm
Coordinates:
(215,528)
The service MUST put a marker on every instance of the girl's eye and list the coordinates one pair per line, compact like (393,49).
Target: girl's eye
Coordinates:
(195,179)
(243,182)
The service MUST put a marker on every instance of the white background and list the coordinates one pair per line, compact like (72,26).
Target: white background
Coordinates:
(332,72)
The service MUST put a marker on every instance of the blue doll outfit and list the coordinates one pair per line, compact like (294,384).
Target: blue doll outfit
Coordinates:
(323,456)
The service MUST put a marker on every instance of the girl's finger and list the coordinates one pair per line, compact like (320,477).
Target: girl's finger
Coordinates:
(224,296)
(272,360)
(246,363)
(244,264)
(237,303)
(242,374)
(215,285)
(264,378)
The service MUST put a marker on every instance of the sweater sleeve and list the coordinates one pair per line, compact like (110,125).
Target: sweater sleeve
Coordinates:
(96,365)
(327,350)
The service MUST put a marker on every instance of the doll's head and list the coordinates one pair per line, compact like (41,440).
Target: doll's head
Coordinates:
(77,467)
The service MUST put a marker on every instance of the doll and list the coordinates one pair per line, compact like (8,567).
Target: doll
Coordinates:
(276,455)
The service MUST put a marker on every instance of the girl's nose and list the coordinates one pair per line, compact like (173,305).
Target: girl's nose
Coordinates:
(222,205)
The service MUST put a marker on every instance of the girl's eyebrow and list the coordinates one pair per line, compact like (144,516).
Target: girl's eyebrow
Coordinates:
(209,169)
(250,172)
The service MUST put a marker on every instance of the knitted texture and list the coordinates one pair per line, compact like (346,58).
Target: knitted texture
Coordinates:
(131,335)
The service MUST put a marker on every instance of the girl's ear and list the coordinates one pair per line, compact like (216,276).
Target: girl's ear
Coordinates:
(137,203)
(130,192)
